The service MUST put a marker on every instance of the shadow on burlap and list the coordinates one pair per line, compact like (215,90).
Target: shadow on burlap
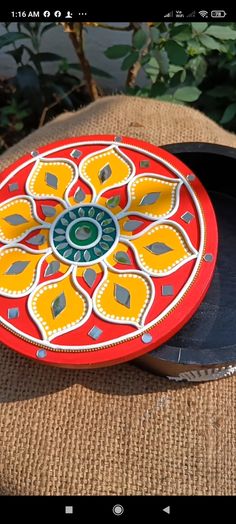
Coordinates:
(117,430)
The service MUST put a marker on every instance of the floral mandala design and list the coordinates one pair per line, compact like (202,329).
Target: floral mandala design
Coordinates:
(85,241)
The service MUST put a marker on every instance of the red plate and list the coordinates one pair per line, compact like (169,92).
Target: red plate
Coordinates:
(108,246)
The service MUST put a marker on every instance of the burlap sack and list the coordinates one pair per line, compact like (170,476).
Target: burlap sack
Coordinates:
(118,430)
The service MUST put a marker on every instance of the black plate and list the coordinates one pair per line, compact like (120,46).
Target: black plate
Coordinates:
(209,338)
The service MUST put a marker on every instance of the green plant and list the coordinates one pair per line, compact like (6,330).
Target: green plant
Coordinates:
(190,63)
(33,96)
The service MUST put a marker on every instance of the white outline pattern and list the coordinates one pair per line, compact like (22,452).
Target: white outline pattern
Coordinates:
(33,212)
(70,327)
(50,196)
(19,247)
(125,213)
(187,284)
(120,154)
(150,271)
(147,305)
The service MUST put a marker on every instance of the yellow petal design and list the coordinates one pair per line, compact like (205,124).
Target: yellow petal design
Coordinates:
(58,307)
(105,169)
(120,255)
(16,219)
(53,266)
(131,226)
(153,196)
(51,178)
(116,298)
(162,249)
(19,270)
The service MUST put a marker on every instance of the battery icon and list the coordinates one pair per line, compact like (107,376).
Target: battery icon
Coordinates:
(218,13)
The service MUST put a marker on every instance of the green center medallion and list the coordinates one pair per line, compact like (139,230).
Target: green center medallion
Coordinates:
(84,234)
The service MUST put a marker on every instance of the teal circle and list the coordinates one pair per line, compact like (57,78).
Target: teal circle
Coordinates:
(83,233)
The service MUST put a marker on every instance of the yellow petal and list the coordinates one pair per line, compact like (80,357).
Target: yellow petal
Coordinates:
(116,298)
(53,266)
(51,178)
(163,248)
(16,219)
(19,270)
(106,168)
(153,196)
(120,255)
(58,307)
(131,225)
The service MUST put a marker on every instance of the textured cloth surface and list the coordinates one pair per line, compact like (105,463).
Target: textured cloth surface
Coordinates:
(117,430)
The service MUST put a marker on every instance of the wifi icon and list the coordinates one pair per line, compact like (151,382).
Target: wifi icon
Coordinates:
(204,14)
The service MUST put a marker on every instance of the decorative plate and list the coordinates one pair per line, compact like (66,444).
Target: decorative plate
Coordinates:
(108,246)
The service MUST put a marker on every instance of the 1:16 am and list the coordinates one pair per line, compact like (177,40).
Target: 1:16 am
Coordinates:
(32,14)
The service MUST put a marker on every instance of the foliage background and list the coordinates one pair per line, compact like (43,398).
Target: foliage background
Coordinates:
(190,63)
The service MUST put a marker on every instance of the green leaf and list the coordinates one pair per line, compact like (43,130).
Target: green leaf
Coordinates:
(229,114)
(187,94)
(152,69)
(48,57)
(155,35)
(163,60)
(33,57)
(176,53)
(199,27)
(139,39)
(198,66)
(130,60)
(117,51)
(144,92)
(95,70)
(221,32)
(173,69)
(181,33)
(195,48)
(47,28)
(9,38)
(209,42)
(16,53)
(100,72)
(183,76)
(157,90)
(166,97)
